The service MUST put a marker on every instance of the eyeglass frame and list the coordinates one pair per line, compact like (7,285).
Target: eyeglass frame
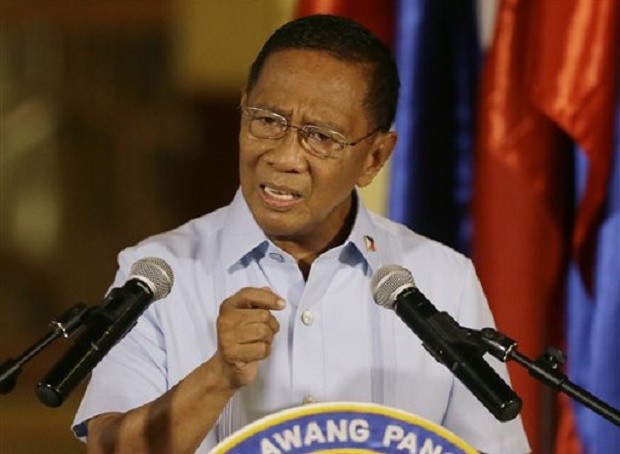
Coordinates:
(302,131)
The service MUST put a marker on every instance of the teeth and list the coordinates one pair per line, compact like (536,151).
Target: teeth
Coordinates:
(279,194)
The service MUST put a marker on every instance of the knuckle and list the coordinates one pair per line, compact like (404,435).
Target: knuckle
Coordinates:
(222,324)
(264,349)
(264,333)
(264,315)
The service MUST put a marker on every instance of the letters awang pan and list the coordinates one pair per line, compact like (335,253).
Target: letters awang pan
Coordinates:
(343,427)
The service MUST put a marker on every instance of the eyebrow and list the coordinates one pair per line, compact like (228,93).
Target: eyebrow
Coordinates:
(272,109)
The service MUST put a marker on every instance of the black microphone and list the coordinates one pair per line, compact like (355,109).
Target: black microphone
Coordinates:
(150,279)
(450,344)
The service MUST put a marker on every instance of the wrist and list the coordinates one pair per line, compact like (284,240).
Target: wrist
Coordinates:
(221,376)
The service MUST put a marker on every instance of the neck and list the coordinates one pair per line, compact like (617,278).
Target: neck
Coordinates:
(305,250)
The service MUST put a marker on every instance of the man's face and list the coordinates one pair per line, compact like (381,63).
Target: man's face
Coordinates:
(293,194)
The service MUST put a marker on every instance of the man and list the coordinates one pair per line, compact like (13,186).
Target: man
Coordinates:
(272,305)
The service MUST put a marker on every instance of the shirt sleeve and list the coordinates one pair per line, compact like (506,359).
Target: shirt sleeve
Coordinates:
(465,415)
(132,374)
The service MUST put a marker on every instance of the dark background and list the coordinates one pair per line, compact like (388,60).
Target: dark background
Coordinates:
(111,130)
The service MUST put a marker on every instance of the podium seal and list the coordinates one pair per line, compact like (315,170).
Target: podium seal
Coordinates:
(340,427)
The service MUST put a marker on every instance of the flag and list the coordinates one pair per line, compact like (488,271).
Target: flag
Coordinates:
(549,79)
(438,54)
(376,15)
(594,317)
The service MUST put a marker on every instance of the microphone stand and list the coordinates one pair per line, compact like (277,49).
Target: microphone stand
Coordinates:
(64,325)
(546,369)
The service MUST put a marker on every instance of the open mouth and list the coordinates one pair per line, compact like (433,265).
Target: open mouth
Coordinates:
(279,197)
(280,193)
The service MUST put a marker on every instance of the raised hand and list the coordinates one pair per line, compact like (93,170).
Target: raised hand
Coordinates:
(245,331)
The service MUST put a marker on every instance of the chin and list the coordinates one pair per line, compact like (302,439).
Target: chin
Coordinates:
(279,228)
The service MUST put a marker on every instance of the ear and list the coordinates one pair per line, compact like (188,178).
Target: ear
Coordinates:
(380,151)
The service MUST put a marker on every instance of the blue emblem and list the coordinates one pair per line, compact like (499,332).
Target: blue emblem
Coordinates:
(343,427)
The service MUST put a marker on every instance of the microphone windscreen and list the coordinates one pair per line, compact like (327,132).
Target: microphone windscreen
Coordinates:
(155,273)
(388,282)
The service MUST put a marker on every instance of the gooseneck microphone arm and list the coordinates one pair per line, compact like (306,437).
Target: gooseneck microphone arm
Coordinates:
(461,349)
(62,326)
(151,279)
(461,352)
(546,369)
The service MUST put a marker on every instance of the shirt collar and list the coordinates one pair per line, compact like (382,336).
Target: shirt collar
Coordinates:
(242,235)
(365,236)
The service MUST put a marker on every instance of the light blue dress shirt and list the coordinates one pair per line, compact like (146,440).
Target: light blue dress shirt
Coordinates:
(335,343)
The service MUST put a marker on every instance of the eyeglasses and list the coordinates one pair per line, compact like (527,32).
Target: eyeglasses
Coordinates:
(320,141)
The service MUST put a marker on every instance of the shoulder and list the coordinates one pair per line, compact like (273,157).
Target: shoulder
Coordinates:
(411,247)
(190,233)
(186,243)
(445,276)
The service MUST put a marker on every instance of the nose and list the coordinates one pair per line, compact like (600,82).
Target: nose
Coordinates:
(288,154)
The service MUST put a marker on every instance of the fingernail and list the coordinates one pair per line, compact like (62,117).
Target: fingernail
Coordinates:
(281,303)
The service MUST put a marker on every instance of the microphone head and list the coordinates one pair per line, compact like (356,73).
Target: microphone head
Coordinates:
(155,273)
(388,282)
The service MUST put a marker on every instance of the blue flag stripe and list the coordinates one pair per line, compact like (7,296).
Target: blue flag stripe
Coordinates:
(437,52)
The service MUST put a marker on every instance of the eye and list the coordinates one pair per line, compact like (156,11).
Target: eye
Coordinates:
(320,136)
(267,120)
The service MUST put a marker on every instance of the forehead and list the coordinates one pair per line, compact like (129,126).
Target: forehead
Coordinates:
(314,80)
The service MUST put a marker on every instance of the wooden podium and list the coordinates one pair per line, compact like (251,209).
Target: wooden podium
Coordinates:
(343,427)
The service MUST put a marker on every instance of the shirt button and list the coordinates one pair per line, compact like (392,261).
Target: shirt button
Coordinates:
(277,257)
(307,318)
(309,400)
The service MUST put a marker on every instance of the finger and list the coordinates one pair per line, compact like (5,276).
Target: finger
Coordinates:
(257,332)
(233,320)
(251,297)
(246,333)
(248,353)
(260,316)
